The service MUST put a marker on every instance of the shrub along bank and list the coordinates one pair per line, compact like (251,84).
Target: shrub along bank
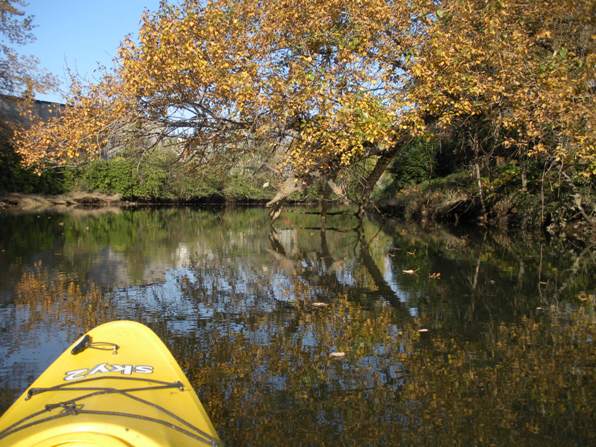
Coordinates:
(434,181)
(426,181)
(157,179)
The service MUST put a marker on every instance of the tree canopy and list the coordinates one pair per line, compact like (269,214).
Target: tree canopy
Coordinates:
(315,86)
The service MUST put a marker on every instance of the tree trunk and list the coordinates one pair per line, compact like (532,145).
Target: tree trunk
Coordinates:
(382,163)
(284,190)
(338,191)
(483,217)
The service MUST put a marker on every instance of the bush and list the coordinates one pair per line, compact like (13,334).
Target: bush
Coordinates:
(186,184)
(160,177)
(415,163)
(14,177)
(242,188)
(132,180)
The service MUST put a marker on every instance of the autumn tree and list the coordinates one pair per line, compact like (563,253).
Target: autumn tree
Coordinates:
(314,84)
(314,87)
(20,79)
(513,79)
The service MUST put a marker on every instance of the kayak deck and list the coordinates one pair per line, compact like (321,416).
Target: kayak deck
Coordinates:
(116,386)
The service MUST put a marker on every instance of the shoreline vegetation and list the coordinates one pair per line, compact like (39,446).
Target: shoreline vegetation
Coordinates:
(416,187)
(459,112)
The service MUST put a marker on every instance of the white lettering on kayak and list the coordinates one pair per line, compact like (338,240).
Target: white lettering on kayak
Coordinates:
(101,368)
(124,369)
(106,368)
(75,374)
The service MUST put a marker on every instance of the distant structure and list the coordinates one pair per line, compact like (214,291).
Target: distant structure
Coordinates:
(11,116)
(130,136)
(11,106)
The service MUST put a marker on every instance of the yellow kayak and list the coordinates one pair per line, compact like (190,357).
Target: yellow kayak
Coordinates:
(116,386)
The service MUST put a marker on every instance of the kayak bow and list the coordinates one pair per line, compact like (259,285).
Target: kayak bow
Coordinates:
(116,386)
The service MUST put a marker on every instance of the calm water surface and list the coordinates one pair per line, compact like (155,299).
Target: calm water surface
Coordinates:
(449,339)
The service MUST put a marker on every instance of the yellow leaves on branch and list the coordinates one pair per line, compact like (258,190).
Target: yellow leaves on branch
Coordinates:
(522,67)
(342,79)
(342,137)
(84,127)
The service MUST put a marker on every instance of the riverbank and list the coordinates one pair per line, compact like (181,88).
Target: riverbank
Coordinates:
(81,200)
(502,202)
(20,202)
(440,201)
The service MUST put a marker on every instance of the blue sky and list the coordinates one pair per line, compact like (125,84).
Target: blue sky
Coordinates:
(80,33)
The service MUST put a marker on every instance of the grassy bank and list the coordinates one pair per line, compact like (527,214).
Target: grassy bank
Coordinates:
(155,178)
(503,202)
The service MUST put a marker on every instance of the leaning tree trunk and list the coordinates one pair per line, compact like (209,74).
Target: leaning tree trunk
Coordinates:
(284,190)
(381,165)
(293,184)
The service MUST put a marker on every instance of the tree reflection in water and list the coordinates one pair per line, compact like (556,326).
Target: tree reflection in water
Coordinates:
(507,359)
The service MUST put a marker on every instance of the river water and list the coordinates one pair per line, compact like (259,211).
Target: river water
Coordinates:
(319,332)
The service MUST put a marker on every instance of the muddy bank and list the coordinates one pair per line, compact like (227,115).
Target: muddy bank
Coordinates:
(18,202)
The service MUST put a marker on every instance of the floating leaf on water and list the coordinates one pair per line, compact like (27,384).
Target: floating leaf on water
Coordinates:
(337,355)
(409,272)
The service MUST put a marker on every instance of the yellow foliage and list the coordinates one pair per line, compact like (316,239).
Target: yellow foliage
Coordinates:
(525,68)
(332,81)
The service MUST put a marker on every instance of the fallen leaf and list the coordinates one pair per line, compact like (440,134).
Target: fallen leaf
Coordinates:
(583,296)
